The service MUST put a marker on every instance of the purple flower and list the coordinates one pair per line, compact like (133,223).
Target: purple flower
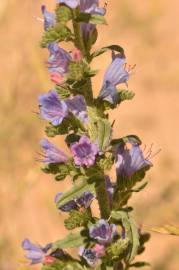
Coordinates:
(130,159)
(35,253)
(52,155)
(92,7)
(115,74)
(89,255)
(67,207)
(103,232)
(59,59)
(70,3)
(92,255)
(49,18)
(83,201)
(84,152)
(77,106)
(52,108)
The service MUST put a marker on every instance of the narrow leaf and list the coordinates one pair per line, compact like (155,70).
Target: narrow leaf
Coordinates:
(76,191)
(131,231)
(116,48)
(139,264)
(71,241)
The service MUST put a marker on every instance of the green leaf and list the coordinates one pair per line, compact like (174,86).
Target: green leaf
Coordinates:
(125,95)
(56,34)
(76,191)
(77,219)
(140,264)
(137,189)
(104,133)
(134,138)
(91,18)
(116,48)
(72,240)
(131,231)
(63,14)
(118,249)
(100,131)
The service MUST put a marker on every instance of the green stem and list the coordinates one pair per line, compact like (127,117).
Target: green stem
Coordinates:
(103,199)
(79,43)
(78,37)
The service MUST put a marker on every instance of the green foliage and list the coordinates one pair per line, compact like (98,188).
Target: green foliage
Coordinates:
(70,123)
(60,265)
(125,95)
(100,131)
(63,14)
(90,18)
(62,91)
(76,191)
(139,264)
(78,70)
(118,249)
(116,48)
(70,241)
(61,171)
(131,232)
(57,33)
(77,219)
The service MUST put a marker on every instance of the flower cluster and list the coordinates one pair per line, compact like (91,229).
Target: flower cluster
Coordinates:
(111,238)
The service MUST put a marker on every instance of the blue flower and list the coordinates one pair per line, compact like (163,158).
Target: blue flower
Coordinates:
(52,155)
(49,18)
(59,59)
(70,3)
(77,106)
(115,74)
(84,201)
(103,232)
(130,159)
(91,7)
(89,255)
(52,108)
(92,255)
(84,152)
(35,253)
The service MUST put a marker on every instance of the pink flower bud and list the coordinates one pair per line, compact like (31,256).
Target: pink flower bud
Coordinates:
(99,250)
(48,260)
(76,55)
(56,78)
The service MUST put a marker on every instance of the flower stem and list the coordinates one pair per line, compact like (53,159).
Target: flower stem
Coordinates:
(103,199)
(79,43)
(78,37)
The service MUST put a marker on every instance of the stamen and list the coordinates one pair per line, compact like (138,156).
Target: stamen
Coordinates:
(106,4)
(156,153)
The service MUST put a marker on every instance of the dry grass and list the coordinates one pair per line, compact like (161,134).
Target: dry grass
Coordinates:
(148,31)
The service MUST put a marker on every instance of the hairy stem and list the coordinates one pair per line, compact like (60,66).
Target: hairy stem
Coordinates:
(103,199)
(78,37)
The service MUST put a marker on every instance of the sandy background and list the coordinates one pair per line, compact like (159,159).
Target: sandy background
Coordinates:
(148,30)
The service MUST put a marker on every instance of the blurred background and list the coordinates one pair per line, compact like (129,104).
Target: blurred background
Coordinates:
(148,30)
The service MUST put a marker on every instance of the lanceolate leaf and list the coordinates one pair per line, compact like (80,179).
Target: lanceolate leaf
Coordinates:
(71,241)
(131,232)
(116,48)
(100,132)
(140,264)
(91,18)
(76,191)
